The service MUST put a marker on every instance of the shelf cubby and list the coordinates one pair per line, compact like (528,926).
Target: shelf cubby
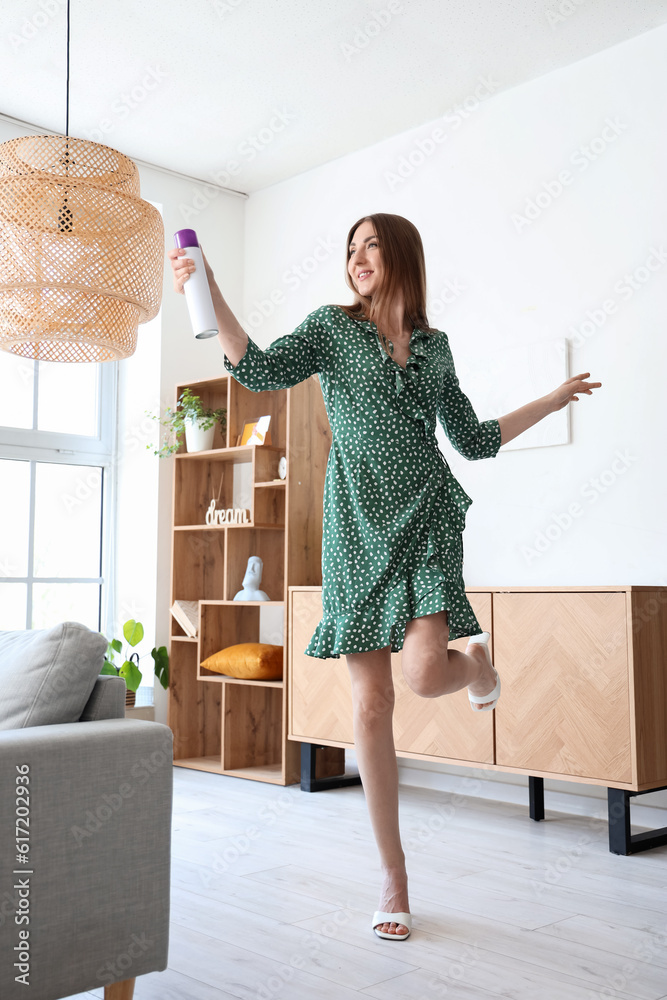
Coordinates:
(196,706)
(199,554)
(246,406)
(269,505)
(227,623)
(267,543)
(214,395)
(252,727)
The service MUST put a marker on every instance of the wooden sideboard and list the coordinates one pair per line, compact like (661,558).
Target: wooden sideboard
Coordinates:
(584,696)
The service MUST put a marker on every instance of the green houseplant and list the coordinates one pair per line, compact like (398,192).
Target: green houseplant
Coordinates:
(133,633)
(190,413)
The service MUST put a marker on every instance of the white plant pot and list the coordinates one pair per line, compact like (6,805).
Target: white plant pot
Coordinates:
(196,439)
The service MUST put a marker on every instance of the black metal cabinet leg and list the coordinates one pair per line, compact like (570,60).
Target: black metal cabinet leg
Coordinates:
(307,766)
(309,783)
(536,795)
(621,839)
(618,811)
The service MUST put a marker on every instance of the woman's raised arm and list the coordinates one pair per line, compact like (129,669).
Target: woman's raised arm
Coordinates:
(286,362)
(232,337)
(518,421)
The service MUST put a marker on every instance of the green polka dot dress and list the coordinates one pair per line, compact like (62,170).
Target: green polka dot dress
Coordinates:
(393,512)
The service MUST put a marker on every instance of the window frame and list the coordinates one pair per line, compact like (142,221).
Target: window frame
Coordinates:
(55,447)
(100,445)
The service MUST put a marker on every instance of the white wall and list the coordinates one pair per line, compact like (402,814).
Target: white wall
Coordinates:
(516,288)
(134,535)
(515,284)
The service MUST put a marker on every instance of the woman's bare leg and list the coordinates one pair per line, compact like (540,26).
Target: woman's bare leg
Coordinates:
(373,707)
(431,669)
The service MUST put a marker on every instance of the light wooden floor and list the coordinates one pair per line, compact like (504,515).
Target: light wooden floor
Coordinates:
(273,891)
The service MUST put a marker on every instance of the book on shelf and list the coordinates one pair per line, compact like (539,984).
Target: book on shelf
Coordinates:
(186,614)
(256,431)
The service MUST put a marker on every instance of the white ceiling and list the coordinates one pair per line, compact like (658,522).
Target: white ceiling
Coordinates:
(309,79)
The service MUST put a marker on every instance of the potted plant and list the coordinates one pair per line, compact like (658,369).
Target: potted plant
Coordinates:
(194,420)
(129,669)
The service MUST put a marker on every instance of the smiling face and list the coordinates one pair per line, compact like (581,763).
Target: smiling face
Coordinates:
(364,263)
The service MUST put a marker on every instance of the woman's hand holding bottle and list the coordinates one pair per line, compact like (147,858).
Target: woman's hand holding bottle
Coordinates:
(231,335)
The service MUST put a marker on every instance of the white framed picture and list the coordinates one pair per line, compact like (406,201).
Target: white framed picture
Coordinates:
(504,380)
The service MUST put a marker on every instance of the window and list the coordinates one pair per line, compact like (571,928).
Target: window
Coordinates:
(57,424)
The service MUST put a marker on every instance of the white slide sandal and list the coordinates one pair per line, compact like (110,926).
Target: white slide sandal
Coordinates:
(492,697)
(379,917)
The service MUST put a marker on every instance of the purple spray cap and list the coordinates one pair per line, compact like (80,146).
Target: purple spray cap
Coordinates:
(185,238)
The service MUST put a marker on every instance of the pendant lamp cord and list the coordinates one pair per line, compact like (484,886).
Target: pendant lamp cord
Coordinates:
(65,213)
(67,105)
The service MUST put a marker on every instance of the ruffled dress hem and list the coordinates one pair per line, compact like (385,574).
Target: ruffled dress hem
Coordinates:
(362,631)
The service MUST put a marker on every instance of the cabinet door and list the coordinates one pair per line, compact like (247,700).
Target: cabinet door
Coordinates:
(320,698)
(563,663)
(321,702)
(447,726)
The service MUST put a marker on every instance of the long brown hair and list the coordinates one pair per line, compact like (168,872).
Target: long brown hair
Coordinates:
(404,270)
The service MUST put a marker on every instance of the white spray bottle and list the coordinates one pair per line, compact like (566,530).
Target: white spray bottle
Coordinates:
(196,288)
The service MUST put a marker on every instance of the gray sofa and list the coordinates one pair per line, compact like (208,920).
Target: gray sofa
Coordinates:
(85,822)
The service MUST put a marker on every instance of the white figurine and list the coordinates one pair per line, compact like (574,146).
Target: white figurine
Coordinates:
(251,582)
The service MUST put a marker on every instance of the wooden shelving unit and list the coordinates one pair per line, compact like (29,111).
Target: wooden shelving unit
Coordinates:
(222,724)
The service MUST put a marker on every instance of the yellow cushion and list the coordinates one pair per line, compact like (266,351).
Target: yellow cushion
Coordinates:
(257,661)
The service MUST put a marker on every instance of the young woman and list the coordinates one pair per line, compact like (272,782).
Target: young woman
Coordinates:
(393,512)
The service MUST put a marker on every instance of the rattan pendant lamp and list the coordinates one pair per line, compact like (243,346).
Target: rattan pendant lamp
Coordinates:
(81,254)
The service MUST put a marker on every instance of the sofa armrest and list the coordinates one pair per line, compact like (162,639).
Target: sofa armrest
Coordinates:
(93,896)
(107,700)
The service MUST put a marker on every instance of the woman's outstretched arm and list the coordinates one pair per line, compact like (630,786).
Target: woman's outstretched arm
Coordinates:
(518,421)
